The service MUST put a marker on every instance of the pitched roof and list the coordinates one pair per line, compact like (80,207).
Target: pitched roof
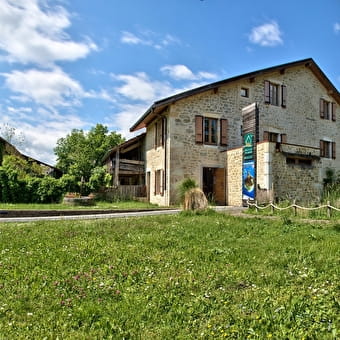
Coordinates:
(158,106)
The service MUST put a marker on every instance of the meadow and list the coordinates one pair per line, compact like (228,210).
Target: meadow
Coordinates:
(185,276)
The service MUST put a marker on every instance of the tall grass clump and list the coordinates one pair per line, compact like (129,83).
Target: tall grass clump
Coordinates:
(185,186)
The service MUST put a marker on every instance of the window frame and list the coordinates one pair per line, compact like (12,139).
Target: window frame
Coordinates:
(210,131)
(244,92)
(327,149)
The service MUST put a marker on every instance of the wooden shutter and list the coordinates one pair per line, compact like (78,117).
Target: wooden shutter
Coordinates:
(224,132)
(162,182)
(266,136)
(199,129)
(267,91)
(283,95)
(283,138)
(322,148)
(163,132)
(333,150)
(322,108)
(333,112)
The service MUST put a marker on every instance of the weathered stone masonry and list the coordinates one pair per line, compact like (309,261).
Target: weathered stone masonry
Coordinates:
(289,163)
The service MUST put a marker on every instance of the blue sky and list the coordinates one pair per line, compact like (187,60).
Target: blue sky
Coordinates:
(70,64)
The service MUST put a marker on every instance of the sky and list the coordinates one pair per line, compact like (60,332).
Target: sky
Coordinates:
(70,64)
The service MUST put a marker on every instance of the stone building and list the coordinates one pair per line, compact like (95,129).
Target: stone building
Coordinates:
(268,134)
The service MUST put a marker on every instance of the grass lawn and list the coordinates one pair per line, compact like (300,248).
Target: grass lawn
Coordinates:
(170,277)
(98,205)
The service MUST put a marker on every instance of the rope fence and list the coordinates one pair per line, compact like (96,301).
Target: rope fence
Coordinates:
(293,206)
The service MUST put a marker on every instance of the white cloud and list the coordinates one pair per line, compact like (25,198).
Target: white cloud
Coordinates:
(337,27)
(131,39)
(139,87)
(40,129)
(49,88)
(148,38)
(182,72)
(268,34)
(33,34)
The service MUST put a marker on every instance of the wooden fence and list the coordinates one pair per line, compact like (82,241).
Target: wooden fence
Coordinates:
(123,192)
(294,208)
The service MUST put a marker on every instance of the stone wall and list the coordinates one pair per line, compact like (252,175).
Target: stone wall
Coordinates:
(234,176)
(155,161)
(281,180)
(299,121)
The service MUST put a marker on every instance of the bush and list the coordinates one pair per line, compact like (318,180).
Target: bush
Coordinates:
(185,186)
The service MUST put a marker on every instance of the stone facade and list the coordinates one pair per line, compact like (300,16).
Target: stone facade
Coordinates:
(234,176)
(289,166)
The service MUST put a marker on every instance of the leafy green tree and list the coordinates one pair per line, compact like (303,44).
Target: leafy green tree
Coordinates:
(79,153)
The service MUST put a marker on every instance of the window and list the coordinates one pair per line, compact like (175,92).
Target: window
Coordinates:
(160,128)
(274,137)
(210,131)
(327,110)
(327,149)
(244,92)
(302,162)
(272,94)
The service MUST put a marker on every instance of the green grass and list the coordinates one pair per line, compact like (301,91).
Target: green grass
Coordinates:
(186,276)
(98,205)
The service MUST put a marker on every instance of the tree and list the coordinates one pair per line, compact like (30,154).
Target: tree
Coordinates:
(9,133)
(79,153)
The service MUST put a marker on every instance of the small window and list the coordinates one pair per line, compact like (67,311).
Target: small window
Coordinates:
(210,131)
(272,94)
(327,149)
(302,162)
(327,110)
(244,92)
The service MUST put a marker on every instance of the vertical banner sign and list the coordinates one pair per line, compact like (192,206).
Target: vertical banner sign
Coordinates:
(250,136)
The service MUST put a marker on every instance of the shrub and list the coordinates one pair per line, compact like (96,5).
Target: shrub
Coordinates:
(185,186)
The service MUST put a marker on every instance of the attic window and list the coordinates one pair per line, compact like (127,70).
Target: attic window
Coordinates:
(244,92)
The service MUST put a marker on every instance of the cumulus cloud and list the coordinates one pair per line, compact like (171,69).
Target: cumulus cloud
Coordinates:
(139,87)
(31,33)
(50,88)
(182,72)
(268,34)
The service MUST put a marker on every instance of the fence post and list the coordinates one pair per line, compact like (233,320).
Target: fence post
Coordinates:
(329,209)
(294,207)
(256,207)
(272,208)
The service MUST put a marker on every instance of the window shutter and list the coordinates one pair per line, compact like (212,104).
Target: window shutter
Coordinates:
(199,129)
(283,138)
(267,91)
(283,95)
(156,135)
(163,131)
(266,136)
(322,149)
(155,186)
(333,150)
(224,132)
(162,181)
(322,108)
(333,112)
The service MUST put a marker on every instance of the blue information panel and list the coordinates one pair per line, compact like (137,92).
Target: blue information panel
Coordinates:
(248,182)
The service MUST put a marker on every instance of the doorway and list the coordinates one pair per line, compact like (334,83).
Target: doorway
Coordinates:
(214,184)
